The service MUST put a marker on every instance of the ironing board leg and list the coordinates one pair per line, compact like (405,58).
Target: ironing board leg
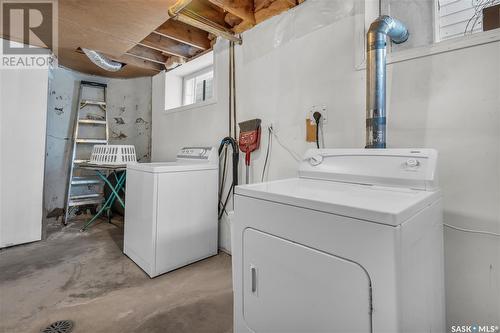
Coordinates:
(122,188)
(99,213)
(119,186)
(115,189)
(109,202)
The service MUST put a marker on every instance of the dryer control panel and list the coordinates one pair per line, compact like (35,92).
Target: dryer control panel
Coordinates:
(410,168)
(197,153)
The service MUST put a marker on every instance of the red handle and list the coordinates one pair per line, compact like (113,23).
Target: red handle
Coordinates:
(247,158)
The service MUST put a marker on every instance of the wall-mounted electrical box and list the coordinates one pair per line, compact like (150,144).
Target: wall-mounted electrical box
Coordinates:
(321,109)
(311,123)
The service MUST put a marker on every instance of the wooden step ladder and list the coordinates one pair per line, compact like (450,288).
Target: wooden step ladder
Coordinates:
(85,190)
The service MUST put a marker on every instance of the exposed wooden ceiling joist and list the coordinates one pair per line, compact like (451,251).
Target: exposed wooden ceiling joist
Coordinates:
(184,33)
(131,60)
(241,8)
(110,27)
(141,34)
(169,46)
(260,4)
(148,54)
(209,11)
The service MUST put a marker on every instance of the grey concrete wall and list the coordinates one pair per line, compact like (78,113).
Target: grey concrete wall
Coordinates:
(129,119)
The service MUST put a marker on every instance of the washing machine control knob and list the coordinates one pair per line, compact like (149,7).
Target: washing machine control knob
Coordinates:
(316,160)
(412,163)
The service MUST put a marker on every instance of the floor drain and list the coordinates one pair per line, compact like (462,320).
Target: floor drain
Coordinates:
(61,326)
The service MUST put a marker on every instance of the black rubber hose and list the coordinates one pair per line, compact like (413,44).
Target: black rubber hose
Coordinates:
(236,158)
(223,174)
(317,117)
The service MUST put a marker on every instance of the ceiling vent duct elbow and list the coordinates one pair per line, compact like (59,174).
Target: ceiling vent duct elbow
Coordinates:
(102,61)
(376,53)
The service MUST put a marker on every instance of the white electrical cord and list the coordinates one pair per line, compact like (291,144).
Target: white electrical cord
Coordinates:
(322,135)
(267,161)
(472,231)
(295,156)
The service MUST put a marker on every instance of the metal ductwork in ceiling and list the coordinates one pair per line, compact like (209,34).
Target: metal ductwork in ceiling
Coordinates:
(102,61)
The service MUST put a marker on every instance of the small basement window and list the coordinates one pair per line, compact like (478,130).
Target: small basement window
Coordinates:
(191,84)
(198,87)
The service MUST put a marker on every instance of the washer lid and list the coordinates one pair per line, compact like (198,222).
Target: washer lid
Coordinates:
(177,166)
(188,159)
(381,204)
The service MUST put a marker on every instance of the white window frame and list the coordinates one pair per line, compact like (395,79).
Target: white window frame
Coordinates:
(212,64)
(193,75)
(367,11)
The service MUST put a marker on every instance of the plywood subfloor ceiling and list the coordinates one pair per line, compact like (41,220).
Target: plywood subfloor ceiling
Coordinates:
(141,35)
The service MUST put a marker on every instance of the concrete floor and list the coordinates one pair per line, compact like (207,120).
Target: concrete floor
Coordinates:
(86,278)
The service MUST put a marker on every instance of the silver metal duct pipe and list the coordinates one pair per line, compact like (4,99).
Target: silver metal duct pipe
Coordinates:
(376,54)
(102,61)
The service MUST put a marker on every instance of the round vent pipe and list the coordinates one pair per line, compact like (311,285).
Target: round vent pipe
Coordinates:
(102,61)
(376,44)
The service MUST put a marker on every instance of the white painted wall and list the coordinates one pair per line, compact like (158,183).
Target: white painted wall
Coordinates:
(173,96)
(449,101)
(23,111)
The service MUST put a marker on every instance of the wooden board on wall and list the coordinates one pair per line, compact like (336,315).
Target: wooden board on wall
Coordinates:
(310,130)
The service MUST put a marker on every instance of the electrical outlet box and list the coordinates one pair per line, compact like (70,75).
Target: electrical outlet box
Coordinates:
(321,109)
(275,125)
(266,123)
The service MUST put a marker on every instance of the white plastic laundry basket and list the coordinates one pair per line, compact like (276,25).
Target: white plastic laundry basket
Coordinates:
(113,154)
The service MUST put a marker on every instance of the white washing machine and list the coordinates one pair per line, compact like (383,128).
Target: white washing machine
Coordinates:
(171,211)
(353,244)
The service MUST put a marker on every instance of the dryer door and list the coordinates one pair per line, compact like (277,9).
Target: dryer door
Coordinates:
(289,287)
